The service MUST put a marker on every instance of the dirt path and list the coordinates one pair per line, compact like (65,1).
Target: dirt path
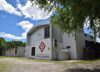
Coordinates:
(21,65)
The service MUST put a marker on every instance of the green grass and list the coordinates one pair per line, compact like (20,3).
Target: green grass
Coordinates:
(3,57)
(35,60)
(3,67)
(42,60)
(53,61)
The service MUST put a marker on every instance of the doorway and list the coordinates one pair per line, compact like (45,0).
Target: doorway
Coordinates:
(0,52)
(33,51)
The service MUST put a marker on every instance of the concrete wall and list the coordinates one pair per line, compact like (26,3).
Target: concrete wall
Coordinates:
(10,52)
(64,40)
(20,51)
(80,44)
(37,36)
(56,34)
(59,52)
(35,40)
(69,44)
(46,54)
(28,52)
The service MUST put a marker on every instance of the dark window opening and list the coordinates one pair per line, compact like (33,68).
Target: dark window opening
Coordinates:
(0,52)
(68,47)
(47,32)
(55,43)
(15,51)
(33,51)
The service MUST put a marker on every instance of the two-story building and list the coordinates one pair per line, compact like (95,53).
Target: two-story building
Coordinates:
(49,42)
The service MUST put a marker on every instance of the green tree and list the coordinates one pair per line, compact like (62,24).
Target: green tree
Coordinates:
(14,43)
(71,15)
(9,44)
(3,43)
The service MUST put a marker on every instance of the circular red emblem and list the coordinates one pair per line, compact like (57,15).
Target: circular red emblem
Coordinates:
(42,46)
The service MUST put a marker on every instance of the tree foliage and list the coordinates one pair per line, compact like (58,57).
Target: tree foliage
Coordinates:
(9,44)
(71,15)
(15,43)
(3,43)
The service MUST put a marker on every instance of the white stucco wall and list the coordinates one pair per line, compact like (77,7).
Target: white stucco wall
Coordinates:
(28,52)
(80,44)
(10,52)
(69,40)
(35,39)
(56,34)
(37,36)
(58,51)
(20,51)
(46,54)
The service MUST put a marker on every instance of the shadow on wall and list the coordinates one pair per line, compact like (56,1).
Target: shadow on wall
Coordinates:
(82,70)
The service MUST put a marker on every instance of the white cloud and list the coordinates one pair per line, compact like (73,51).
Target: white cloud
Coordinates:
(10,36)
(33,11)
(28,10)
(25,25)
(4,6)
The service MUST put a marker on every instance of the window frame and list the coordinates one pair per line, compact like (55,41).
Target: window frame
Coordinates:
(47,32)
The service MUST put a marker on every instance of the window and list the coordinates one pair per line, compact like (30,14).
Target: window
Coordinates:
(47,32)
(33,51)
(68,47)
(55,43)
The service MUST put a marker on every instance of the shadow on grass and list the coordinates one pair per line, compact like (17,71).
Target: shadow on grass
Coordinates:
(82,70)
(89,60)
(92,59)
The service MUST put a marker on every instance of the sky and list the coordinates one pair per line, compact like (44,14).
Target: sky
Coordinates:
(18,16)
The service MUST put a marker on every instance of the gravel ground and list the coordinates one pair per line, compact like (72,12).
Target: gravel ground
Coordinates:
(21,65)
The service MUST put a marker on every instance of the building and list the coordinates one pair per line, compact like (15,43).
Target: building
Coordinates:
(49,42)
(15,51)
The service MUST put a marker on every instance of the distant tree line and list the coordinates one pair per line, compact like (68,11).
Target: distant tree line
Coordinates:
(9,44)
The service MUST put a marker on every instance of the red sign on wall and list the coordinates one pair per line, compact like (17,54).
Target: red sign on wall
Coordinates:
(42,46)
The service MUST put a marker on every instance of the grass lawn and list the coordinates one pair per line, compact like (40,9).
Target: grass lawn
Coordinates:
(19,63)
(54,61)
(3,66)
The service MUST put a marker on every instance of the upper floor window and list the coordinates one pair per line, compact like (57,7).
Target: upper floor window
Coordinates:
(47,32)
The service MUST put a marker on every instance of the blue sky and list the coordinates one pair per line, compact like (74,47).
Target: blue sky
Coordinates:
(18,16)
